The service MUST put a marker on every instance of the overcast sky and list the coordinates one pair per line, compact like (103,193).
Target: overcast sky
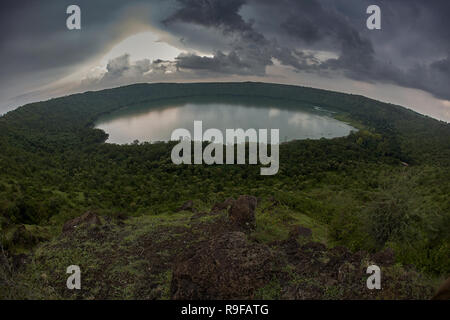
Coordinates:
(318,43)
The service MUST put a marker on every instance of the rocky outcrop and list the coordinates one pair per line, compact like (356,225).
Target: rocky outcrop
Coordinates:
(227,267)
(204,256)
(242,212)
(87,219)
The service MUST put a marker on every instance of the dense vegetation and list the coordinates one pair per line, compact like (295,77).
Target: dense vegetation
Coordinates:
(387,185)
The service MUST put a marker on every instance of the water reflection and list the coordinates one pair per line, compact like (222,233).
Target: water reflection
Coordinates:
(155,122)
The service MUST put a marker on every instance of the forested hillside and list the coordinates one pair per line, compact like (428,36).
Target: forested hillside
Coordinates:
(385,186)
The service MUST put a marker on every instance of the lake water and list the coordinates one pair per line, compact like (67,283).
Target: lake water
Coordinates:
(155,122)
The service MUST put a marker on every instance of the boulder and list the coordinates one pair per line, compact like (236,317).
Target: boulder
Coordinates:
(242,212)
(87,219)
(226,267)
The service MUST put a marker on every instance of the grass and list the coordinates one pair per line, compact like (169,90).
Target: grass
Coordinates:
(271,291)
(275,224)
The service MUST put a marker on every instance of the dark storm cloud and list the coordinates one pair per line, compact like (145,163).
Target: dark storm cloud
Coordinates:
(248,50)
(414,40)
(312,23)
(411,50)
(303,20)
(219,14)
(230,63)
(433,77)
(211,13)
